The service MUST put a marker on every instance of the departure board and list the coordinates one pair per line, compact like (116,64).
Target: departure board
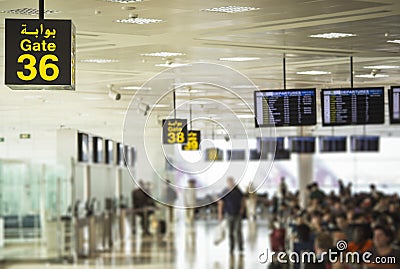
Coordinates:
(352,106)
(332,144)
(302,144)
(360,143)
(394,105)
(285,107)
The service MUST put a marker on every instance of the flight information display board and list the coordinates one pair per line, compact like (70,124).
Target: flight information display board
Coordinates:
(352,106)
(361,143)
(394,105)
(302,144)
(285,107)
(332,144)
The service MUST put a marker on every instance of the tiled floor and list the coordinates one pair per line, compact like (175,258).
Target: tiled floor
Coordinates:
(189,248)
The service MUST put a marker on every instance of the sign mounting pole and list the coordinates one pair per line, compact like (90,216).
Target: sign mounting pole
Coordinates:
(41,9)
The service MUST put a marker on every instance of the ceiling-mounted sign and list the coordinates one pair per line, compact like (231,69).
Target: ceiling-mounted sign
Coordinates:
(39,54)
(194,140)
(175,131)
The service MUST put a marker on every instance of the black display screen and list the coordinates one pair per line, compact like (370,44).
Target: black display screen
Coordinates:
(109,150)
(361,143)
(352,106)
(236,154)
(97,149)
(255,154)
(302,144)
(394,105)
(282,155)
(332,144)
(120,154)
(285,107)
(267,145)
(83,147)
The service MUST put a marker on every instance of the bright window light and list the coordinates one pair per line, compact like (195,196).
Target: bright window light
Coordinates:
(397,41)
(138,21)
(163,54)
(332,35)
(313,72)
(239,59)
(231,9)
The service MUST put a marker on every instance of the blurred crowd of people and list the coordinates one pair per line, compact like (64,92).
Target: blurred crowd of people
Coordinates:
(365,221)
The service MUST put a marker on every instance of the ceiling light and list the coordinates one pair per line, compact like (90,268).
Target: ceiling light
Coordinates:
(124,1)
(132,88)
(313,72)
(29,11)
(171,65)
(231,9)
(32,97)
(332,35)
(138,21)
(163,54)
(372,76)
(397,41)
(239,59)
(99,61)
(382,67)
(160,106)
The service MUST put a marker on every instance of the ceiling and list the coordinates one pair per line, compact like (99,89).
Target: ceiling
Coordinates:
(275,30)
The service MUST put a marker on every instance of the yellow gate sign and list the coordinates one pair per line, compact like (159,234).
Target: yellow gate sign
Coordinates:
(194,139)
(175,131)
(39,54)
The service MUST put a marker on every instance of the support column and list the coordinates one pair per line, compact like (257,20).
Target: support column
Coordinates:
(305,169)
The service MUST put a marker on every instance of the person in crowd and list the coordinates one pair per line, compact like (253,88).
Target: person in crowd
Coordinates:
(384,256)
(190,201)
(317,193)
(361,241)
(323,242)
(233,205)
(143,206)
(171,197)
(343,225)
(283,189)
(251,203)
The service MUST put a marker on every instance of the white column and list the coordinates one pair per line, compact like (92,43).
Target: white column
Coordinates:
(305,169)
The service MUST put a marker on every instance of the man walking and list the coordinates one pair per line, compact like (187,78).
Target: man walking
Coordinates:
(233,205)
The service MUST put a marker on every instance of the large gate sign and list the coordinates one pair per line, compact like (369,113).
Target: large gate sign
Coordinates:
(40,54)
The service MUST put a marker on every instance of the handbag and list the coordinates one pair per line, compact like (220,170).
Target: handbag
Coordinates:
(220,233)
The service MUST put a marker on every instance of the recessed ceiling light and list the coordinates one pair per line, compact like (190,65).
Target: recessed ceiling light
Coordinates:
(124,1)
(135,88)
(163,54)
(171,65)
(231,9)
(397,41)
(99,61)
(32,97)
(313,72)
(382,67)
(160,106)
(239,59)
(138,21)
(372,76)
(332,35)
(29,11)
